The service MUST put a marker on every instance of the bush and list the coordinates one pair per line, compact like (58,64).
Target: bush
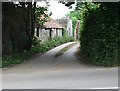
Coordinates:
(100,33)
(51,43)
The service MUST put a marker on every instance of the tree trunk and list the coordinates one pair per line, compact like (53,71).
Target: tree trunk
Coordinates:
(28,25)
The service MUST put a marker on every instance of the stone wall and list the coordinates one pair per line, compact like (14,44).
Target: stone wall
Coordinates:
(44,34)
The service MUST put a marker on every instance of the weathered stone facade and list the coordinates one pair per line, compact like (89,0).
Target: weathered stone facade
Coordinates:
(45,34)
(52,29)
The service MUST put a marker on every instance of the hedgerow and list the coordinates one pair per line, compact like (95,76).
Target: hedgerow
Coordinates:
(100,33)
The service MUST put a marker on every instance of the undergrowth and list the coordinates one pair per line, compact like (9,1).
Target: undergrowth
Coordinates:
(17,58)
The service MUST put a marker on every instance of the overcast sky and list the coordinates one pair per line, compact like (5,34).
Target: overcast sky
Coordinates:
(58,10)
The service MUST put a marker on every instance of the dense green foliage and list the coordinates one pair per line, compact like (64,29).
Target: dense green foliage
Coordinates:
(52,43)
(100,36)
(37,48)
(100,32)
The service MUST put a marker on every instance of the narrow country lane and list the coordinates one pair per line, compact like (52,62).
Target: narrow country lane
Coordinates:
(62,72)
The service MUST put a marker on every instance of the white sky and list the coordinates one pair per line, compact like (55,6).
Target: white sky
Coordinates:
(58,10)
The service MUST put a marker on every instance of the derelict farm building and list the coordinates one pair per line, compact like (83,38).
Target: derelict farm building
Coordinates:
(51,29)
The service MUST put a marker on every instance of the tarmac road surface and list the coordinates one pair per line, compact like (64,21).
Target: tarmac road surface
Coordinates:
(64,72)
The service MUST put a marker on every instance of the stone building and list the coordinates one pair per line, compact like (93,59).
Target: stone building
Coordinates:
(51,29)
